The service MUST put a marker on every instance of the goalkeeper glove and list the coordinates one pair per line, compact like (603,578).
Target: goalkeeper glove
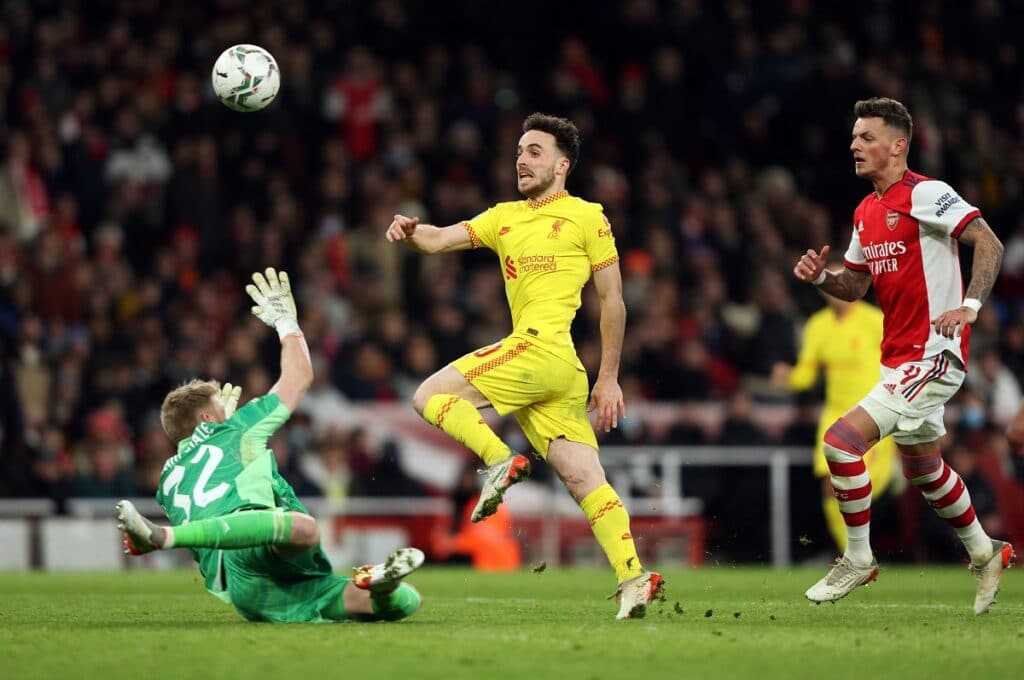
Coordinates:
(275,305)
(229,395)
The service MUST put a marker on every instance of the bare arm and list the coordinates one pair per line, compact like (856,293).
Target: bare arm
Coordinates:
(607,394)
(427,238)
(988,256)
(845,284)
(296,371)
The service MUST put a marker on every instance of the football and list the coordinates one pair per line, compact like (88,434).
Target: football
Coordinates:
(246,78)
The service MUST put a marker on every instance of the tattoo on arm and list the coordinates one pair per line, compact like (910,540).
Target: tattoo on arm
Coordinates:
(846,284)
(988,256)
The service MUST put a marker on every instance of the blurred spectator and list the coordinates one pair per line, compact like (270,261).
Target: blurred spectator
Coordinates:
(387,478)
(488,545)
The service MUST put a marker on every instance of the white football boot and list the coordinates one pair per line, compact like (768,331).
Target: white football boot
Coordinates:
(635,594)
(385,577)
(841,580)
(987,575)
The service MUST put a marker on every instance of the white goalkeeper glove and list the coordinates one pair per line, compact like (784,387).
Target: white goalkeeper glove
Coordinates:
(229,395)
(275,305)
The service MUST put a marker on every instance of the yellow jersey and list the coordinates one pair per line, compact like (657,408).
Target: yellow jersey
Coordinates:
(548,251)
(847,348)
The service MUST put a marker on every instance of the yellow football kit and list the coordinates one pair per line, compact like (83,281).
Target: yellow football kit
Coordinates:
(848,349)
(548,251)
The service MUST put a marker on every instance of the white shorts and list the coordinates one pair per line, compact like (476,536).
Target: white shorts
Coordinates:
(910,400)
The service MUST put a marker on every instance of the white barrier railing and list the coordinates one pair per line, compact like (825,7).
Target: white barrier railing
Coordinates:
(623,466)
(674,459)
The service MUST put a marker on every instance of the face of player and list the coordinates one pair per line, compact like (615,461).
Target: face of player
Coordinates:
(876,147)
(540,166)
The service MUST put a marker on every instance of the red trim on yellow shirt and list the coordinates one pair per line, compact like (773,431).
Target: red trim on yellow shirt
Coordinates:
(473,238)
(534,205)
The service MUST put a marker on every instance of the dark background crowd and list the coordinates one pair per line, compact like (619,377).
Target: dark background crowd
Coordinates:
(133,207)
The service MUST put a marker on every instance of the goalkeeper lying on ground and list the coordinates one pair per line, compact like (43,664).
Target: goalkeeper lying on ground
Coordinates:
(256,545)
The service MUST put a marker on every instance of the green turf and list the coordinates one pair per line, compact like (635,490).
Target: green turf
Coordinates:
(734,622)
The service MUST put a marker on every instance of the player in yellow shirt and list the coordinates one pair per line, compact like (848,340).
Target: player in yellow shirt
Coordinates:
(549,246)
(844,340)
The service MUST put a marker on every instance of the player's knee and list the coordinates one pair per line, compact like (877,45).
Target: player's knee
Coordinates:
(421,396)
(305,532)
(920,461)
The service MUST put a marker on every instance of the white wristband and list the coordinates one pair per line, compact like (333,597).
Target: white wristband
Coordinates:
(972,303)
(821,278)
(287,327)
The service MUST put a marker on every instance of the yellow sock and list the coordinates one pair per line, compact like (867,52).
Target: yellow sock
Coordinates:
(834,521)
(462,422)
(610,523)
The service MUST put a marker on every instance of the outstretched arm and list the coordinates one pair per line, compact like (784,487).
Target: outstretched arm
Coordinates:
(426,238)
(845,284)
(988,256)
(606,396)
(275,307)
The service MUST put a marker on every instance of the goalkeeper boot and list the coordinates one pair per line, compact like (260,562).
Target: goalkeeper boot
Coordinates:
(635,594)
(500,477)
(841,580)
(987,575)
(383,578)
(140,535)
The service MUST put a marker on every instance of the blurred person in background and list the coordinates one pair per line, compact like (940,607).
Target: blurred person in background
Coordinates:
(843,342)
(488,545)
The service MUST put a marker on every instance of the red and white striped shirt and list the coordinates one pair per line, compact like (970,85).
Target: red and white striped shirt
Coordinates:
(906,239)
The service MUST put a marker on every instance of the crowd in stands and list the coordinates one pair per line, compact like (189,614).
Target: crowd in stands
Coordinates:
(134,206)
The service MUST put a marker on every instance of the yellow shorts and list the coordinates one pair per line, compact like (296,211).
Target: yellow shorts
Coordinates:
(880,460)
(547,394)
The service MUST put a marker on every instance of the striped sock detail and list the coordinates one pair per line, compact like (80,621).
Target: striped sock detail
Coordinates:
(844,449)
(443,411)
(946,492)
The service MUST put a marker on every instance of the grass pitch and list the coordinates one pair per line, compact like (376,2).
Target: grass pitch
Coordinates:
(715,623)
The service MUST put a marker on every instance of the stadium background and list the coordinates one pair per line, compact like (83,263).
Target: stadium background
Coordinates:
(133,206)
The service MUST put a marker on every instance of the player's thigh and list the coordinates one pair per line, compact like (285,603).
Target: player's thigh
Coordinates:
(265,586)
(448,380)
(561,417)
(512,374)
(909,402)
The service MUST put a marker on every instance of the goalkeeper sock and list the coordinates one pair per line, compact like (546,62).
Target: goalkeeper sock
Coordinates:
(462,422)
(397,604)
(610,523)
(241,530)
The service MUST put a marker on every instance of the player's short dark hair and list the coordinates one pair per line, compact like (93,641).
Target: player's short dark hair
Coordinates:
(567,136)
(182,405)
(893,112)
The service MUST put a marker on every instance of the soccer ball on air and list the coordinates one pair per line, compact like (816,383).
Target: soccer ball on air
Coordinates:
(246,78)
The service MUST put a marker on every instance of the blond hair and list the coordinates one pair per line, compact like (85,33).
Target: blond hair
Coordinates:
(181,406)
